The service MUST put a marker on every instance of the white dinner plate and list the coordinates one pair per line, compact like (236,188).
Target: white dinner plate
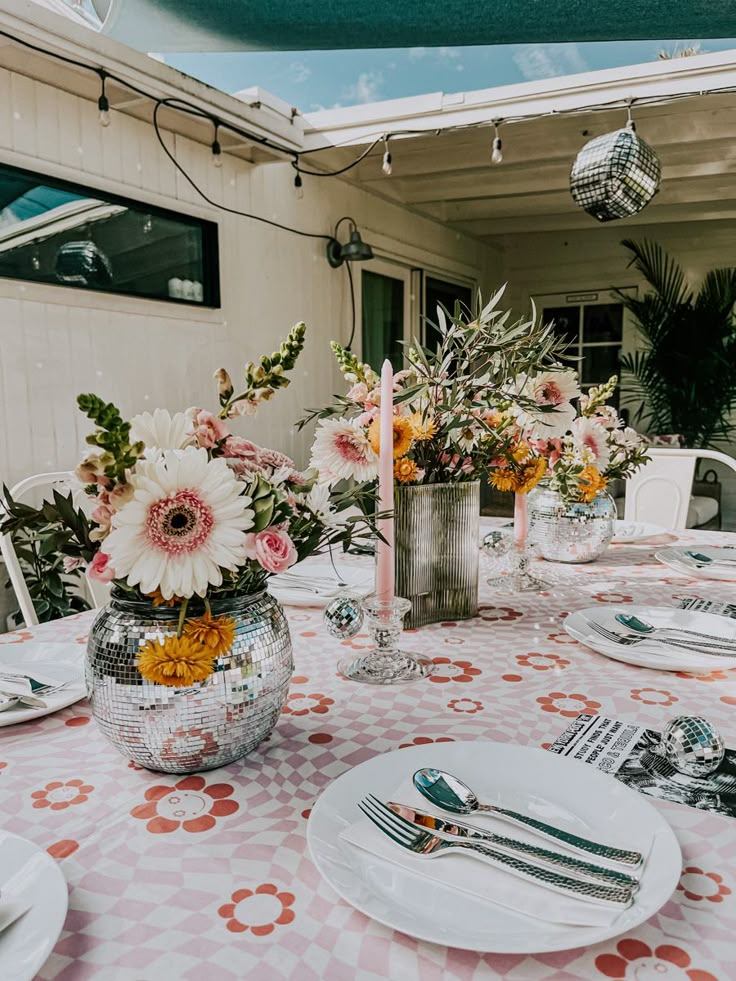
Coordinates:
(318,583)
(49,672)
(662,657)
(567,793)
(635,531)
(677,559)
(28,872)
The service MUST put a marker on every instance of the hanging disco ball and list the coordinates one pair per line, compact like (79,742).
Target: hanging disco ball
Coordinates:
(616,175)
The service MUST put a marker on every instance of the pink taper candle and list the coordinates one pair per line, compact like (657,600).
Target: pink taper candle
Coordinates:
(385,574)
(520,520)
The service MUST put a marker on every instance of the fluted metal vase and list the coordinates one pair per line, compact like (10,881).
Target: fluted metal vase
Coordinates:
(211,723)
(437,532)
(570,532)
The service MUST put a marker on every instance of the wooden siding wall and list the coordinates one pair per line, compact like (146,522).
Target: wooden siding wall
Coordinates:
(56,342)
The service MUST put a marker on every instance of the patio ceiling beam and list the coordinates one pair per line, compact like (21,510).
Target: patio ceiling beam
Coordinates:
(237,25)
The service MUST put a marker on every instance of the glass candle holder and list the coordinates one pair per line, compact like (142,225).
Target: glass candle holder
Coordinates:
(385,663)
(515,576)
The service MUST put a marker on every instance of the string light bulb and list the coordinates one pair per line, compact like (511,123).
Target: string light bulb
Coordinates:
(216,149)
(386,166)
(103,103)
(497,146)
(298,185)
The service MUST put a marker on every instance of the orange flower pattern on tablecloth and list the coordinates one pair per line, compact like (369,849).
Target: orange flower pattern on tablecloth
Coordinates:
(711,676)
(654,696)
(613,598)
(494,613)
(448,670)
(468,705)
(569,706)
(190,804)
(58,796)
(259,910)
(636,960)
(16,637)
(541,662)
(562,638)
(426,740)
(63,849)
(299,703)
(698,885)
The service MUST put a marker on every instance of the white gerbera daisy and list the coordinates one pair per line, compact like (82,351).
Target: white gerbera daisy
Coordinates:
(552,391)
(589,435)
(318,502)
(342,451)
(185,524)
(161,431)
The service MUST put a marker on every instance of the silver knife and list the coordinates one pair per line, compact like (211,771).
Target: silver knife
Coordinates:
(544,856)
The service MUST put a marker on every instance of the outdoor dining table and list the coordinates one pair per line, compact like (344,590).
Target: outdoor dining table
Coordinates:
(209,876)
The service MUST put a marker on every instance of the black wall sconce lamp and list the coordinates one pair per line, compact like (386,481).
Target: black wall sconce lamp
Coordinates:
(354,250)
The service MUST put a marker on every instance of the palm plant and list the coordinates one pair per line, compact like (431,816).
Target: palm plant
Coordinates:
(684,379)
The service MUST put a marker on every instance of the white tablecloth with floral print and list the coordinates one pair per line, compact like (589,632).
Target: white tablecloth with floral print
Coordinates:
(208,876)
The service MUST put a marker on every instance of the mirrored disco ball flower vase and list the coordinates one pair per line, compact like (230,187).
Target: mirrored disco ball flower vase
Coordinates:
(211,723)
(565,532)
(615,175)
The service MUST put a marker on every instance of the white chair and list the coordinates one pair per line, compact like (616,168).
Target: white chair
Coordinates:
(660,492)
(64,480)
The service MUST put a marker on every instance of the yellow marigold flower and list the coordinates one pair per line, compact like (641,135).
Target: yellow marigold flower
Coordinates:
(503,479)
(176,661)
(422,429)
(156,597)
(403,435)
(521,452)
(405,470)
(591,481)
(216,633)
(530,475)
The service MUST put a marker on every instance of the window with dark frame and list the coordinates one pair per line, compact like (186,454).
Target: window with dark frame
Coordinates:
(65,234)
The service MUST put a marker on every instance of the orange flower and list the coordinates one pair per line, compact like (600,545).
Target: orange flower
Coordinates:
(530,475)
(591,482)
(403,435)
(422,429)
(503,479)
(176,661)
(156,597)
(216,633)
(405,470)
(522,477)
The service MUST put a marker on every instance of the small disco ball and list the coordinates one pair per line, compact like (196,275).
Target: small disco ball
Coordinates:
(496,543)
(692,746)
(343,616)
(616,175)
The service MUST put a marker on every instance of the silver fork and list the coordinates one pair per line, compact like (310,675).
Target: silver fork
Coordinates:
(428,845)
(624,641)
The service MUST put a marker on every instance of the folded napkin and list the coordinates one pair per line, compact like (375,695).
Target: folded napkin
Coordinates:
(474,876)
(12,909)
(14,685)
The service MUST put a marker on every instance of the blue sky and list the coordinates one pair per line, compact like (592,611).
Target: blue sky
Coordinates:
(312,80)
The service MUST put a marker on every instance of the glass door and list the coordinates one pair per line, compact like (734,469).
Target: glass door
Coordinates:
(385,300)
(446,293)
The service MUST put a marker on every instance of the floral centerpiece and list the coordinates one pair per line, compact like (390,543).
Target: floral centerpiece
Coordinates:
(589,446)
(451,413)
(188,521)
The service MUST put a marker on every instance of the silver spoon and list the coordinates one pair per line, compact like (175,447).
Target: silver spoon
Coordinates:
(640,626)
(451,794)
(707,560)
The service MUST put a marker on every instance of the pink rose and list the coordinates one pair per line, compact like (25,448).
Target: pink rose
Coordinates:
(72,562)
(100,568)
(272,548)
(207,429)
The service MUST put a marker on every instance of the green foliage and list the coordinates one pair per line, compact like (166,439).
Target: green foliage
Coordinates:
(42,537)
(684,380)
(264,378)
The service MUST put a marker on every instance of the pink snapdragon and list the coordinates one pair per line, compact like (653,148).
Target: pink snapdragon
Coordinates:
(207,429)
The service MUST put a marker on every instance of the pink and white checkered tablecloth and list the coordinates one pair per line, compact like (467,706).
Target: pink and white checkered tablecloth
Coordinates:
(208,877)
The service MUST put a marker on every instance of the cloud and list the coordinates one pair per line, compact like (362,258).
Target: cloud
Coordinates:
(447,54)
(298,72)
(366,89)
(416,54)
(549,60)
